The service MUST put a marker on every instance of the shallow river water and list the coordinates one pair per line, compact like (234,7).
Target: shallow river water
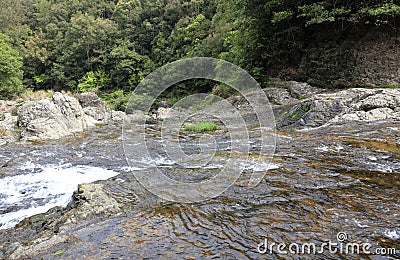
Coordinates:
(337,182)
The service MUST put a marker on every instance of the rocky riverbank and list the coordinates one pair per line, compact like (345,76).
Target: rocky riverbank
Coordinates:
(315,108)
(296,106)
(53,118)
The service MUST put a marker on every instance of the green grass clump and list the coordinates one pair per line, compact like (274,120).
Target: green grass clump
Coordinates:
(201,127)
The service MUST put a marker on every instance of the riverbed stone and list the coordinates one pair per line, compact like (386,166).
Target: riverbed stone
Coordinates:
(91,200)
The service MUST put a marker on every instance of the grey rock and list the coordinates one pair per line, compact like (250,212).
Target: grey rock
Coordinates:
(357,104)
(90,99)
(164,113)
(279,96)
(7,106)
(163,104)
(95,109)
(300,90)
(97,112)
(91,200)
(136,116)
(51,119)
(8,121)
(117,116)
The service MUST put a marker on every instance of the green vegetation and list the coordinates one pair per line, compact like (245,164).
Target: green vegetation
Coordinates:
(10,69)
(59,252)
(202,127)
(110,46)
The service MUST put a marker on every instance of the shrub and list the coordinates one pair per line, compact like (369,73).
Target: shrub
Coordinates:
(201,127)
(116,100)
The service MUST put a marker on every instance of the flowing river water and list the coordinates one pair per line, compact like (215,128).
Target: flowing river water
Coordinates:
(319,183)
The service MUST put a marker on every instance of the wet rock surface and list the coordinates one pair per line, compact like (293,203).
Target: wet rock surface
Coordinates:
(341,178)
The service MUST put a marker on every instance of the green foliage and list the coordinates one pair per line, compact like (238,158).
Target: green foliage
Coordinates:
(382,14)
(10,69)
(110,46)
(389,86)
(201,127)
(116,100)
(281,16)
(92,81)
(139,102)
(316,14)
(59,252)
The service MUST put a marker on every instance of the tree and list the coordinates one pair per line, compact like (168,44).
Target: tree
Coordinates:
(10,69)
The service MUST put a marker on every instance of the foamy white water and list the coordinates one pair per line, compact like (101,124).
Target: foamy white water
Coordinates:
(40,191)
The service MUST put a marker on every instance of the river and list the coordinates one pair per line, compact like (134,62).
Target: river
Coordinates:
(320,183)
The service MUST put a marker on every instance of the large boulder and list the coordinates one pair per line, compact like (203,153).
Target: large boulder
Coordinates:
(96,111)
(301,90)
(47,119)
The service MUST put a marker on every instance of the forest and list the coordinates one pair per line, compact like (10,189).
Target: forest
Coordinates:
(110,46)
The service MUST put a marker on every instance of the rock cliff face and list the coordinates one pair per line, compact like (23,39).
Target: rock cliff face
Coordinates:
(331,57)
(363,105)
